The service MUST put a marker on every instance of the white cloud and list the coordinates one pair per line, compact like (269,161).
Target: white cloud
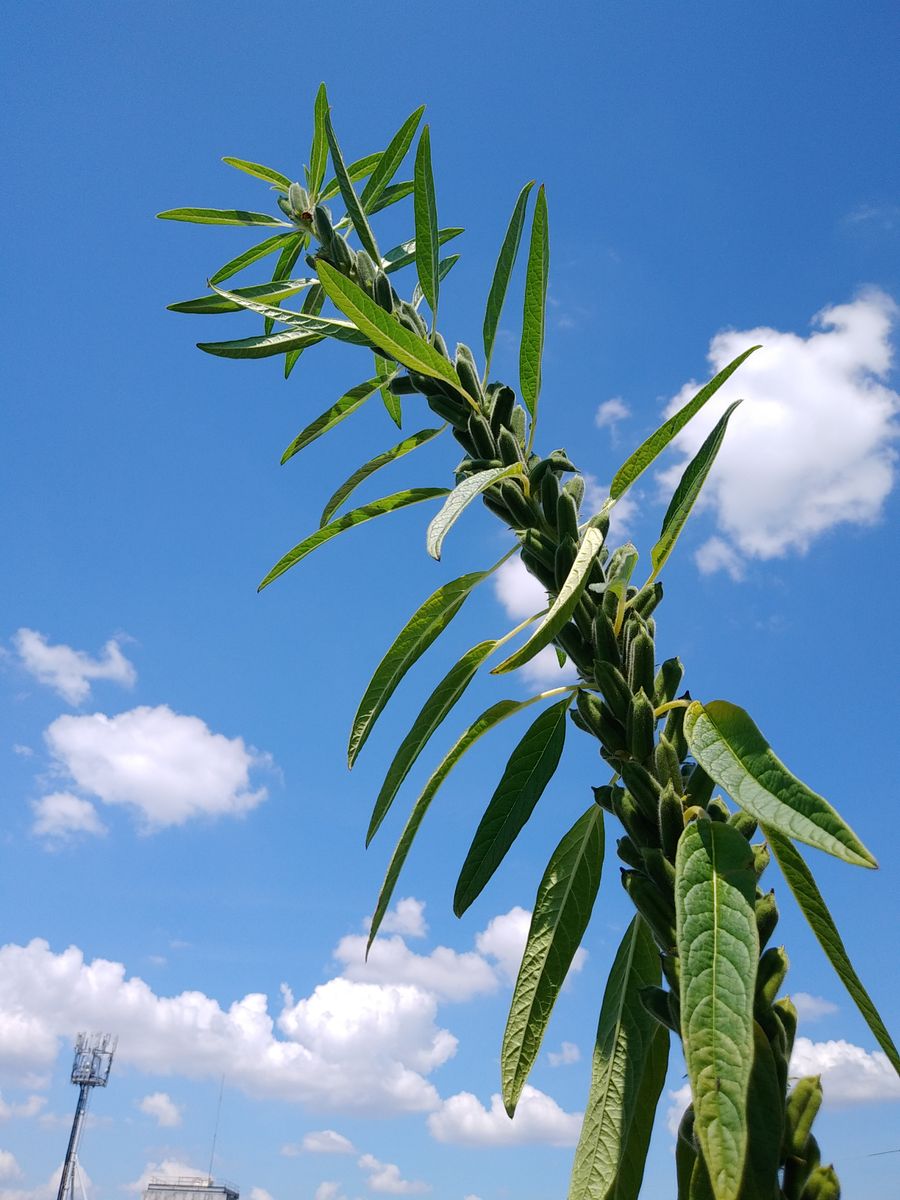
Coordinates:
(162,1108)
(326,1141)
(258,1193)
(715,554)
(329,1190)
(61,816)
(678,1102)
(407,918)
(444,972)
(28,1108)
(518,591)
(504,939)
(812,447)
(610,412)
(22,751)
(567,1054)
(166,767)
(49,1189)
(386,1178)
(812,1008)
(9,1167)
(463,1121)
(168,1168)
(69,671)
(850,1074)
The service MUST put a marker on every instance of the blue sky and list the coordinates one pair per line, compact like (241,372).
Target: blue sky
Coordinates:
(714,179)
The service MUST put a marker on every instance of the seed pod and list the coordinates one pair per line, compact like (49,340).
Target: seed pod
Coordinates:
(575,488)
(566,520)
(803,1104)
(671,821)
(537,545)
(659,869)
(773,966)
(462,436)
(638,828)
(668,768)
(674,730)
(285,205)
(383,292)
(480,433)
(640,727)
(647,599)
(439,344)
(653,907)
(717,809)
(798,1170)
(614,688)
(604,639)
(510,451)
(640,664)
(602,724)
(542,573)
(565,556)
(698,785)
(761,858)
(467,371)
(766,918)
(668,677)
(656,1002)
(629,853)
(600,521)
(364,270)
(497,507)
(517,422)
(502,401)
(341,254)
(402,385)
(743,823)
(822,1184)
(571,641)
(448,410)
(548,488)
(644,788)
(787,1015)
(411,317)
(520,509)
(605,796)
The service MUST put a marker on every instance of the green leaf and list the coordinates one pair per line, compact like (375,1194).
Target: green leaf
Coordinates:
(341,409)
(627,1076)
(384,331)
(432,714)
(562,908)
(459,499)
(343,331)
(219,216)
(425,208)
(384,366)
(687,492)
(259,171)
(428,621)
(254,254)
(351,200)
(718,946)
(375,464)
(390,160)
(812,905)
(277,290)
(356,516)
(765,1121)
(360,169)
(391,195)
(445,266)
(650,449)
(404,254)
(287,259)
(732,751)
(502,272)
(289,340)
(563,606)
(318,154)
(532,345)
(530,768)
(488,720)
(311,306)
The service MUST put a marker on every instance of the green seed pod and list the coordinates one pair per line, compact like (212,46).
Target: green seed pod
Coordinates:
(510,452)
(567,516)
(761,858)
(497,507)
(565,556)
(285,205)
(787,1015)
(653,907)
(449,410)
(668,768)
(646,791)
(614,688)
(641,670)
(575,489)
(403,385)
(537,546)
(520,510)
(548,488)
(573,644)
(822,1185)
(659,869)
(640,727)
(638,828)
(605,796)
(656,1002)
(604,639)
(647,599)
(364,270)
(717,809)
(667,681)
(602,723)
(480,433)
(502,400)
(766,918)
(322,226)
(467,371)
(674,731)
(803,1104)
(439,344)
(773,966)
(412,318)
(541,572)
(629,853)
(671,821)
(743,823)
(518,421)
(698,786)
(600,521)
(341,254)
(798,1170)
(383,292)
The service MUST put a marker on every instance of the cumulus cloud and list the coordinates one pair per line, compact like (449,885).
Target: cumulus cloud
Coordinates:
(9,1167)
(813,446)
(168,1168)
(329,1190)
(62,816)
(464,1121)
(27,1108)
(326,1141)
(850,1074)
(162,1108)
(49,1189)
(444,972)
(521,596)
(258,1193)
(386,1178)
(407,918)
(610,412)
(164,767)
(812,1008)
(567,1054)
(69,672)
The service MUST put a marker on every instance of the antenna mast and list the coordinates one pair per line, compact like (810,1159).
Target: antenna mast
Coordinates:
(93,1060)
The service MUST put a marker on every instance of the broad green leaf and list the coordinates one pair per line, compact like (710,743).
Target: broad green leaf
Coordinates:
(351,200)
(404,254)
(390,160)
(718,947)
(433,712)
(259,171)
(392,195)
(428,621)
(384,331)
(318,154)
(650,449)
(488,720)
(732,751)
(356,516)
(502,272)
(459,499)
(311,306)
(445,266)
(812,905)
(341,409)
(532,345)
(530,768)
(254,254)
(219,216)
(425,209)
(277,290)
(563,606)
(384,366)
(687,492)
(562,908)
(627,1074)
(343,331)
(289,341)
(375,464)
(360,169)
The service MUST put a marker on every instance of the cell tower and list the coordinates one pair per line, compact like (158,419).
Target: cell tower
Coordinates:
(93,1060)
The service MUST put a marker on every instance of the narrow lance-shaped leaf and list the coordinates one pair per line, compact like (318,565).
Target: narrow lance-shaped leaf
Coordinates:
(384,366)
(339,411)
(502,272)
(563,606)
(718,947)
(318,154)
(351,200)
(391,195)
(562,908)
(445,266)
(390,160)
(405,254)
(431,716)
(375,464)
(311,306)
(428,621)
(812,905)
(219,216)
(289,341)
(732,751)
(278,290)
(356,516)
(357,170)
(627,1075)
(532,346)
(654,445)
(287,259)
(425,209)
(254,254)
(458,500)
(530,768)
(384,331)
(488,720)
(259,171)
(687,492)
(342,331)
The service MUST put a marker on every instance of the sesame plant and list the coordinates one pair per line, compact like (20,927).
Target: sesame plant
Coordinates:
(692,782)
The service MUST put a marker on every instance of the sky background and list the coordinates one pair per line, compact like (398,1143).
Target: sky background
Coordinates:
(716,177)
